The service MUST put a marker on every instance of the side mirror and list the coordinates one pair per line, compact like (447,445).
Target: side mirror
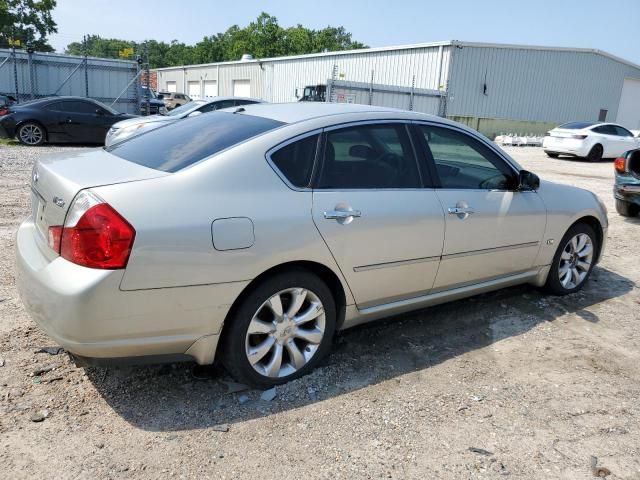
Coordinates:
(195,114)
(528,181)
(160,96)
(99,112)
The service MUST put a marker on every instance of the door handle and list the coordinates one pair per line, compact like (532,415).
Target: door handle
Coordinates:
(459,210)
(342,214)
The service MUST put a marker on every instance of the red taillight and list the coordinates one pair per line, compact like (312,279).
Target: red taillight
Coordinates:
(579,137)
(4,111)
(101,238)
(620,164)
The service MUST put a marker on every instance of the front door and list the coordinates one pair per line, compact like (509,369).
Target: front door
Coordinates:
(383,228)
(492,230)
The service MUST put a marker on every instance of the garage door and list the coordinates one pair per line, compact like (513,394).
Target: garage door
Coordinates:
(210,88)
(629,108)
(241,88)
(194,89)
(171,87)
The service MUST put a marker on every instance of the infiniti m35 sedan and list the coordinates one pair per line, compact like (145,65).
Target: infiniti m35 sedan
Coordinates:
(252,236)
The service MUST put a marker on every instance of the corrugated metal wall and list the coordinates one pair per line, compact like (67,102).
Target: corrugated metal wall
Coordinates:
(535,84)
(50,74)
(277,80)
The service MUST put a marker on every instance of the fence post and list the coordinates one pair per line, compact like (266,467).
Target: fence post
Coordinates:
(86,66)
(371,89)
(413,86)
(15,72)
(30,67)
(147,91)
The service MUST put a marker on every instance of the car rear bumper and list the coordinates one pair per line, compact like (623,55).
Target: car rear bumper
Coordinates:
(565,146)
(85,311)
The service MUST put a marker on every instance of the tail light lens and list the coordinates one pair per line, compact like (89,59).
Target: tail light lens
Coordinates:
(94,235)
(579,137)
(4,111)
(620,165)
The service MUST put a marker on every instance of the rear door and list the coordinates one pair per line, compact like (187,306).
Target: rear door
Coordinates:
(626,140)
(492,230)
(384,229)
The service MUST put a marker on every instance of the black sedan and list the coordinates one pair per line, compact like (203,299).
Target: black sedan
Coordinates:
(59,120)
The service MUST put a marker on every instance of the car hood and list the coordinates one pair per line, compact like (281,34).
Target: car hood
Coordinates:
(142,120)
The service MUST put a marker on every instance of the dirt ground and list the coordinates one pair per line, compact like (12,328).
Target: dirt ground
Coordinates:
(510,384)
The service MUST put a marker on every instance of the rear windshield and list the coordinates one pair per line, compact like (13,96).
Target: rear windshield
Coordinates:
(576,125)
(175,146)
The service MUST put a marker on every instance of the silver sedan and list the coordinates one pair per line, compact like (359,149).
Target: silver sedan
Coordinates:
(252,236)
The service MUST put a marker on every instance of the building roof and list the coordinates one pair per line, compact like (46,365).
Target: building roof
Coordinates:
(410,47)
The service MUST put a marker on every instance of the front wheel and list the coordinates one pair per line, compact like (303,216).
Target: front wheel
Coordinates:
(573,261)
(626,209)
(280,331)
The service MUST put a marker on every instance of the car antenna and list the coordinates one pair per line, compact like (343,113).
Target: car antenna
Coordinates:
(239,110)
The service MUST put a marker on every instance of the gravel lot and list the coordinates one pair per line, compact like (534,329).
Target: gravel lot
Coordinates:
(536,385)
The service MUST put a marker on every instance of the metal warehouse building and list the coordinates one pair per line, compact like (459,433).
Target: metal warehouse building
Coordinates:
(491,87)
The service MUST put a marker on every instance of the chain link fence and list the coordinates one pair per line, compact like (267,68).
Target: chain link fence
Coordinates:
(26,75)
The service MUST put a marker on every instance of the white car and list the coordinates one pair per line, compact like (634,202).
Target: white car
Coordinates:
(590,140)
(134,126)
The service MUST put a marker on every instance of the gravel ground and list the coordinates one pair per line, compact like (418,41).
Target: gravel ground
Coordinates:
(509,384)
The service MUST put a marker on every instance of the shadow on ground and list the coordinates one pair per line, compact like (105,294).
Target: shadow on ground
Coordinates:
(169,398)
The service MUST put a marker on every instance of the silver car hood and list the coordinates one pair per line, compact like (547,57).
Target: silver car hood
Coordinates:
(130,122)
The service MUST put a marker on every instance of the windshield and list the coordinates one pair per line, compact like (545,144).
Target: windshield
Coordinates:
(180,144)
(185,109)
(109,109)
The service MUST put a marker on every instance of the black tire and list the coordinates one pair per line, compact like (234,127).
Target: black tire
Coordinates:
(31,134)
(553,284)
(552,155)
(233,348)
(626,209)
(595,154)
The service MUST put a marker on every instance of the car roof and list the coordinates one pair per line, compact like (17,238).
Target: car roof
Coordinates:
(295,112)
(220,99)
(39,101)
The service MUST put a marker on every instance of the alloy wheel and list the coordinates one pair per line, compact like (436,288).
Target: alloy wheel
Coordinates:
(31,134)
(575,261)
(285,332)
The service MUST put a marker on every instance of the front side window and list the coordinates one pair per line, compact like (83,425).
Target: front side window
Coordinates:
(295,161)
(369,156)
(622,132)
(463,162)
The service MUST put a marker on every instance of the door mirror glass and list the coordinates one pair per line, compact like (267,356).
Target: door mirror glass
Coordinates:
(195,114)
(100,112)
(528,181)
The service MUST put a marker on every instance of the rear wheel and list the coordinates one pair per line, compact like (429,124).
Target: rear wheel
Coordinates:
(595,154)
(552,155)
(573,261)
(281,330)
(31,133)
(626,209)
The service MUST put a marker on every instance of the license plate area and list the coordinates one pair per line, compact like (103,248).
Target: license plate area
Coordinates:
(38,206)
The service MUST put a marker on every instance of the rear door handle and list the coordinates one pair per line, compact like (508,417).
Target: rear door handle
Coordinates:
(461,210)
(341,214)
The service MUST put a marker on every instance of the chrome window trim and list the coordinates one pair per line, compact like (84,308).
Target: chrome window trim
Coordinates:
(281,145)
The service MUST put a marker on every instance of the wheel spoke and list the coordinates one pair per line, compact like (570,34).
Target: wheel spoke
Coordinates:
(565,278)
(257,353)
(582,241)
(586,250)
(298,296)
(312,336)
(258,326)
(574,244)
(275,304)
(295,355)
(584,266)
(565,255)
(314,311)
(575,275)
(273,367)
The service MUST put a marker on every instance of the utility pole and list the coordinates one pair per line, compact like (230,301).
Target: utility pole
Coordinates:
(147,91)
(85,47)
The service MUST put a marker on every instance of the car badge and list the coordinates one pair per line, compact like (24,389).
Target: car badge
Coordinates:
(58,201)
(35,176)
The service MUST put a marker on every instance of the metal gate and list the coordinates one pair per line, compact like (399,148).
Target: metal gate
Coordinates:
(405,98)
(27,76)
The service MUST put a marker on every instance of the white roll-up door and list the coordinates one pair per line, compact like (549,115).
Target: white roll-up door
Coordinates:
(194,89)
(629,108)
(210,88)
(171,87)
(241,88)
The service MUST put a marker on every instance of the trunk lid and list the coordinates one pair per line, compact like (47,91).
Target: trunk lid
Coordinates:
(56,180)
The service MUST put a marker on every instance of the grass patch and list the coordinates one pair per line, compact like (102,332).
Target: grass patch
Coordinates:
(8,141)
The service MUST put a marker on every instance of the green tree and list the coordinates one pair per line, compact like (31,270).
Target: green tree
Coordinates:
(24,22)
(262,38)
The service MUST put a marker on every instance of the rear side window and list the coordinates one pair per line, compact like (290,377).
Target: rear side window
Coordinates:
(180,144)
(295,161)
(576,125)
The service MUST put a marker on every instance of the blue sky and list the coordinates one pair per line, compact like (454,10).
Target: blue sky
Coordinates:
(611,25)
